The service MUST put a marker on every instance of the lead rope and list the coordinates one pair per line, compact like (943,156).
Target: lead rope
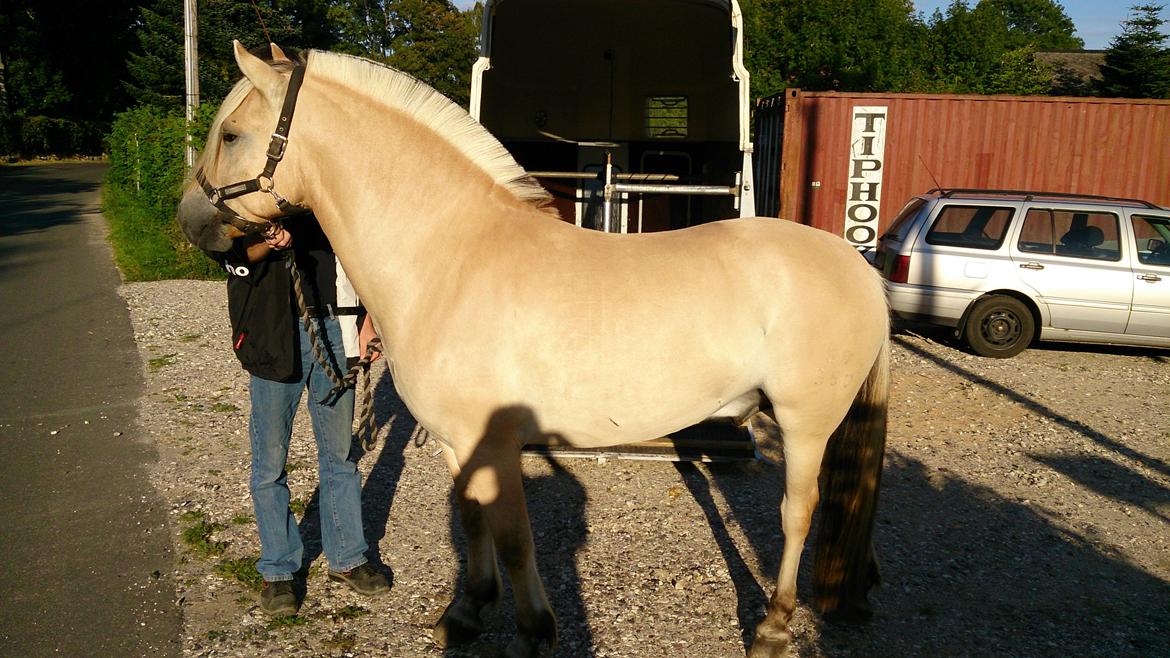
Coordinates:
(367,426)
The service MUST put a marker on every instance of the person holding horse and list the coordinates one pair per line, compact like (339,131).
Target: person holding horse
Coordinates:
(280,358)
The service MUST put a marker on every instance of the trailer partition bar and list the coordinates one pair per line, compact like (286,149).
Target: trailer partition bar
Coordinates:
(580,175)
(704,190)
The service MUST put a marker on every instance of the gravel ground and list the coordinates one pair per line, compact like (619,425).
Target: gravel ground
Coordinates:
(1024,512)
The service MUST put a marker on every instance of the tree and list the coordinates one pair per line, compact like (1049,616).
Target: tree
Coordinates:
(855,45)
(429,39)
(434,42)
(1019,73)
(156,69)
(1039,24)
(965,47)
(1137,63)
(63,59)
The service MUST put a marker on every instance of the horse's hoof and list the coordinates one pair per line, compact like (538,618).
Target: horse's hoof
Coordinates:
(458,625)
(770,647)
(528,647)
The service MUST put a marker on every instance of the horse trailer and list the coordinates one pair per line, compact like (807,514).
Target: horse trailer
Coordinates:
(633,114)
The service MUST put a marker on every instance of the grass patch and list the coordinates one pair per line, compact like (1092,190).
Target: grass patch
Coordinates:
(298,506)
(224,407)
(290,621)
(242,570)
(243,519)
(347,613)
(190,338)
(149,246)
(158,363)
(198,537)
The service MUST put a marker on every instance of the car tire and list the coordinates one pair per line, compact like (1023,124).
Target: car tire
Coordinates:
(999,326)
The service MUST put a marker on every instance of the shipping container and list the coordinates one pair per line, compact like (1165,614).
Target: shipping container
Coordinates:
(849,161)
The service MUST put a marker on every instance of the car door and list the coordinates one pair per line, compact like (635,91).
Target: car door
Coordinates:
(1072,258)
(1151,293)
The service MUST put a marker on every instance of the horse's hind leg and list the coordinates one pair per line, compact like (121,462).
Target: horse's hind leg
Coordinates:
(804,443)
(461,621)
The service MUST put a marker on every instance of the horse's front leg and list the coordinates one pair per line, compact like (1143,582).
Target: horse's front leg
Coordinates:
(461,621)
(489,474)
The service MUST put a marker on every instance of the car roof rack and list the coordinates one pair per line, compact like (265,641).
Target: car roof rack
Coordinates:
(1029,195)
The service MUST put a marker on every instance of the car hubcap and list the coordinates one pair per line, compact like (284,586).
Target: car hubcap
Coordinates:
(1001,328)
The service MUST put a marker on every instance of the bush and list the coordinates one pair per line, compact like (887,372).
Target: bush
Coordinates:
(36,136)
(141,195)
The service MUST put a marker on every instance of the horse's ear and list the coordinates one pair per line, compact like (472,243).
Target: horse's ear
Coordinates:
(278,54)
(262,76)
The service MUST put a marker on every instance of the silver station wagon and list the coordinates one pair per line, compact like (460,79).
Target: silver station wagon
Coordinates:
(1005,268)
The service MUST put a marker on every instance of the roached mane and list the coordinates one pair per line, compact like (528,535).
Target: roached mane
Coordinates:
(435,111)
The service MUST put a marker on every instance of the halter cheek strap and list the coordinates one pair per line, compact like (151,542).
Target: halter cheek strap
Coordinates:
(262,182)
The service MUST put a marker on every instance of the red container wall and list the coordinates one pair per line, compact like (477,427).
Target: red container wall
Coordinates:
(1113,147)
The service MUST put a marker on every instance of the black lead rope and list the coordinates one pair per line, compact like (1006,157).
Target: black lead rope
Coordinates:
(367,427)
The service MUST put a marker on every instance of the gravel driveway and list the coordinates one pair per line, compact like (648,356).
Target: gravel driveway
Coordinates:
(1025,511)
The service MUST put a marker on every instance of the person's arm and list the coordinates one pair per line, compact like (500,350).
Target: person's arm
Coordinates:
(366,333)
(259,250)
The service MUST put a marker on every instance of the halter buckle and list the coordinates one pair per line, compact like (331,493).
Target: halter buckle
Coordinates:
(276,147)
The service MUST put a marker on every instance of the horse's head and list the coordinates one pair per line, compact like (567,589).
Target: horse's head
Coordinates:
(238,188)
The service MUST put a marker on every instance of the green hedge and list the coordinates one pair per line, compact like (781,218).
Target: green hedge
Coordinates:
(26,137)
(141,195)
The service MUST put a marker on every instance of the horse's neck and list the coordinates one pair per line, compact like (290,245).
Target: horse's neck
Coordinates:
(399,205)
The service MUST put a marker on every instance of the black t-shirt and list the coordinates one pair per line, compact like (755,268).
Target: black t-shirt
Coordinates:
(261,303)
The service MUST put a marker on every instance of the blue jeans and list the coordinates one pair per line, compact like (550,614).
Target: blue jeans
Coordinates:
(273,406)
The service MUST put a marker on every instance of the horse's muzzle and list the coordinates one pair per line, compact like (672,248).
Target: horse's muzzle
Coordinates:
(201,222)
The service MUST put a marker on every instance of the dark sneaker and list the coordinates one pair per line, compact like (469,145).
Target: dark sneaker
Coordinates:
(363,579)
(278,599)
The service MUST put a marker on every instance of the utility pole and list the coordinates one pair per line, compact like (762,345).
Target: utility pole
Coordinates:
(191,66)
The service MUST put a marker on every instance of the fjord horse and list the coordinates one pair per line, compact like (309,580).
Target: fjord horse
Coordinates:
(501,322)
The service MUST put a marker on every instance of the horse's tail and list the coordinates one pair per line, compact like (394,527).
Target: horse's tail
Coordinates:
(845,566)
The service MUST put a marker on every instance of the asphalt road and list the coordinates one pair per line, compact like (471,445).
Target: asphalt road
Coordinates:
(86,551)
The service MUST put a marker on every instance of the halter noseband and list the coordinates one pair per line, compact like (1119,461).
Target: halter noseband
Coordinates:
(263,182)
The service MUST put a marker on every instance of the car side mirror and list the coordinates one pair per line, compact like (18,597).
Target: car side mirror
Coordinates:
(1155,244)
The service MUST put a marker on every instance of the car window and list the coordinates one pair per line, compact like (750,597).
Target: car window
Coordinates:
(901,223)
(1072,233)
(1153,239)
(977,227)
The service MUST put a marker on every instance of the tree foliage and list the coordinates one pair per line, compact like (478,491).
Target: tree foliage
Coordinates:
(1137,63)
(859,45)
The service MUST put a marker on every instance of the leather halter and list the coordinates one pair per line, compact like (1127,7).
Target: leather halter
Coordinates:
(262,182)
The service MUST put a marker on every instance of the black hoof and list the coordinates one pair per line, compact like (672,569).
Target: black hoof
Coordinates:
(529,647)
(460,624)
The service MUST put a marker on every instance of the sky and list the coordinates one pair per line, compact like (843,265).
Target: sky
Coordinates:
(1097,21)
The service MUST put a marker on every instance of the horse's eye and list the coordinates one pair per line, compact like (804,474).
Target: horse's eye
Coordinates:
(228,138)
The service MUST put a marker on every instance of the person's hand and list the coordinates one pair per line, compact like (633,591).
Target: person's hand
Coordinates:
(365,334)
(279,239)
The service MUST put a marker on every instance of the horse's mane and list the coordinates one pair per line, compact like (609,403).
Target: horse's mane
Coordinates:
(433,110)
(412,97)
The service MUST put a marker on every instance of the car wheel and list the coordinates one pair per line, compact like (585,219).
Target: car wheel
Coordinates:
(999,327)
